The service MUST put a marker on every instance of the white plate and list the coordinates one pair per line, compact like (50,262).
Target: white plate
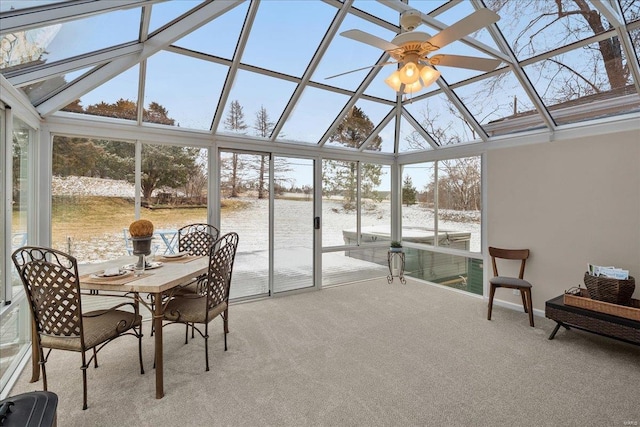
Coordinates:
(101,275)
(176,255)
(148,266)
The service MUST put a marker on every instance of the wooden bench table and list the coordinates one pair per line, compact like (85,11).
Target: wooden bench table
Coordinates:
(607,325)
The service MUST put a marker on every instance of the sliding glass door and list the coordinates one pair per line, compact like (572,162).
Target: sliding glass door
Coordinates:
(268,201)
(293,224)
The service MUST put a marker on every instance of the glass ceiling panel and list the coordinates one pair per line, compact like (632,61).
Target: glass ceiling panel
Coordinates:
(630,10)
(273,95)
(6,5)
(220,36)
(281,42)
(378,10)
(115,98)
(387,135)
(427,6)
(411,139)
(188,88)
(580,77)
(315,111)
(496,100)
(37,91)
(165,12)
(80,36)
(441,119)
(345,54)
(24,48)
(535,27)
(373,112)
(635,38)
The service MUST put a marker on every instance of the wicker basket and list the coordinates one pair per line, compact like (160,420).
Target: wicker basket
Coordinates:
(580,298)
(614,291)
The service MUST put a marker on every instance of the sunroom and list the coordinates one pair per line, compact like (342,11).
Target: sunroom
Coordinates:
(298,125)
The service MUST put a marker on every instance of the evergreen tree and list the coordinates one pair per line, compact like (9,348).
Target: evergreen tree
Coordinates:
(340,176)
(409,192)
(162,165)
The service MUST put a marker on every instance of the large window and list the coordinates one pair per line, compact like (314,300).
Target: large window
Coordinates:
(14,312)
(356,203)
(93,195)
(441,207)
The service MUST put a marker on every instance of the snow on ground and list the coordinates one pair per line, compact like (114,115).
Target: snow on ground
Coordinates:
(88,186)
(294,220)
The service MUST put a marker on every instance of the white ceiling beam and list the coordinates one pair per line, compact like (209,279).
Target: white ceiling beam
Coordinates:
(46,71)
(274,74)
(190,22)
(357,95)
(418,127)
(385,121)
(50,14)
(233,69)
(466,115)
(142,71)
(519,73)
(19,103)
(633,62)
(311,68)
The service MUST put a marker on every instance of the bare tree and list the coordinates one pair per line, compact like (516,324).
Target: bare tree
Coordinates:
(569,20)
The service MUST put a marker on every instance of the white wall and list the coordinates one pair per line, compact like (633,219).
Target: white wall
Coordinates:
(571,203)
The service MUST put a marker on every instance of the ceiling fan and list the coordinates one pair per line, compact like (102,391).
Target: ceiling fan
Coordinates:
(412,49)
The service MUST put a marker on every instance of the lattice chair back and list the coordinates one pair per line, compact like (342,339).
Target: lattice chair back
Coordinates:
(52,284)
(50,279)
(197,239)
(221,269)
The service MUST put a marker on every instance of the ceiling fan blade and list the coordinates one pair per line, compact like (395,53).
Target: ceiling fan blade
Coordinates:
(477,20)
(468,62)
(360,69)
(369,39)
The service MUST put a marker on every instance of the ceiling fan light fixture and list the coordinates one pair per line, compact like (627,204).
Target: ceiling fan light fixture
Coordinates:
(409,73)
(429,75)
(393,81)
(413,87)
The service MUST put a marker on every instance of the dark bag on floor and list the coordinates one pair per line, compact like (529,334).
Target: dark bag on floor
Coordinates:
(35,409)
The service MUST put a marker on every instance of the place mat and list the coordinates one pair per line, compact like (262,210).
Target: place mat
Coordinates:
(111,280)
(185,259)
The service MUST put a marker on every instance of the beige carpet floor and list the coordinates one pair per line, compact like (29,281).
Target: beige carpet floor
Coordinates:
(364,354)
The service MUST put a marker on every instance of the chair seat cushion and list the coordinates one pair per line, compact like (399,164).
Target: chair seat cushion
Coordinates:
(99,326)
(509,282)
(192,309)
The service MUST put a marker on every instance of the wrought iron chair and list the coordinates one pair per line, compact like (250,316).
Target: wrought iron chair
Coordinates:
(213,300)
(51,282)
(511,282)
(196,239)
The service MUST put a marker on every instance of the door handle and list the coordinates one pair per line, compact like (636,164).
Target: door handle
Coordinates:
(316,223)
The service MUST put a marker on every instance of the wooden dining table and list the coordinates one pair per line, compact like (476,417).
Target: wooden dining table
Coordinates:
(158,282)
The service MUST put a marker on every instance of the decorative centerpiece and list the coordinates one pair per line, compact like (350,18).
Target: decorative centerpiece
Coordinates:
(141,232)
(395,246)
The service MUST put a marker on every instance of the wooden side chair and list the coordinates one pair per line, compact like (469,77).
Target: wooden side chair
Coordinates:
(511,282)
(52,285)
(213,301)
